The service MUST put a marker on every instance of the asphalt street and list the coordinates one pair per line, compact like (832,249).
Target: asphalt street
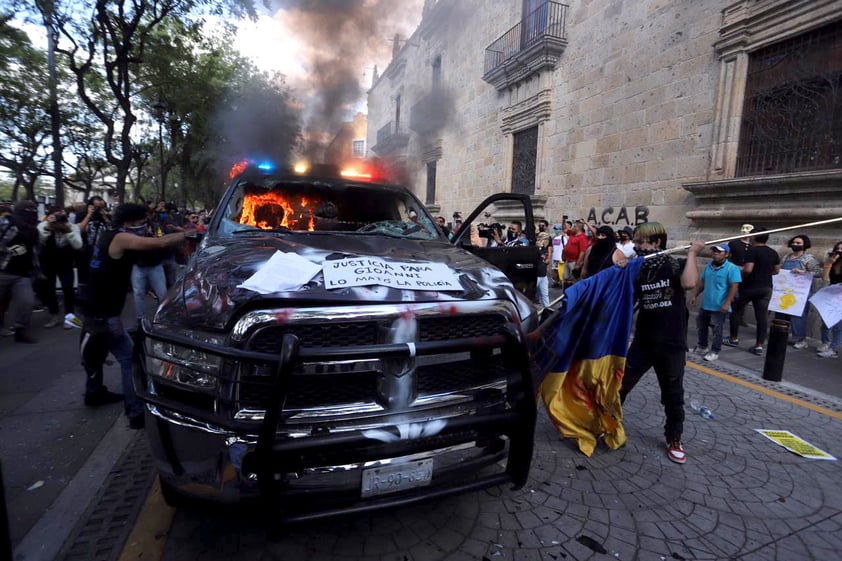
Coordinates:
(77,480)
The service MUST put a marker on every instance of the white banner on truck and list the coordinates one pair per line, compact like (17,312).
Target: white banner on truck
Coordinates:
(364,271)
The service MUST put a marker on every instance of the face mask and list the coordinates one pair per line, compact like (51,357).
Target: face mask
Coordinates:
(136,230)
(796,247)
(641,252)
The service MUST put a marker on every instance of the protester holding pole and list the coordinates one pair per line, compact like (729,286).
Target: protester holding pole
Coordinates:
(660,337)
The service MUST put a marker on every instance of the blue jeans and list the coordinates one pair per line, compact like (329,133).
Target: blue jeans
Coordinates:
(543,291)
(99,337)
(798,324)
(836,341)
(707,319)
(144,278)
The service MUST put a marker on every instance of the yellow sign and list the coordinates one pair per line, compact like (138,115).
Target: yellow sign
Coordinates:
(795,444)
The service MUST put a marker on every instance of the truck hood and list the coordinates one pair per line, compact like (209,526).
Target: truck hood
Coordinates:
(207,295)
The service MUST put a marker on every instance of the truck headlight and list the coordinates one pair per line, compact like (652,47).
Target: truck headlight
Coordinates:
(182,365)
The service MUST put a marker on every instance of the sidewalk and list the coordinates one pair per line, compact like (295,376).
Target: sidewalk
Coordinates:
(802,368)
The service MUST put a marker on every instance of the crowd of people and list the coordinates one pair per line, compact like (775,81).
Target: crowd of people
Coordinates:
(740,273)
(97,255)
(39,254)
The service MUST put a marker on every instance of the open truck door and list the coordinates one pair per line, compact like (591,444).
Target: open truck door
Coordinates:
(518,262)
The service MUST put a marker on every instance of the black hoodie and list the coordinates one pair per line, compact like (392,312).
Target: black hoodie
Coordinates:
(19,235)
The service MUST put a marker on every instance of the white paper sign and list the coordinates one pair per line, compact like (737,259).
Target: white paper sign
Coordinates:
(363,271)
(828,301)
(790,292)
(795,444)
(283,272)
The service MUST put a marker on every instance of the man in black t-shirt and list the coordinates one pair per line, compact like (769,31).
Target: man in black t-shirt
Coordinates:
(739,250)
(761,263)
(660,337)
(102,330)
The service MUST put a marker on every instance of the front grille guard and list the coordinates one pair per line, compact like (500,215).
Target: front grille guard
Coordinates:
(518,423)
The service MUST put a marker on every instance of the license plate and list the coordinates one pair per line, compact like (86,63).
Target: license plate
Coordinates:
(397,477)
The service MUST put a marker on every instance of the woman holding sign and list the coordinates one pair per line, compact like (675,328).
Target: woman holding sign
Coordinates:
(832,274)
(800,262)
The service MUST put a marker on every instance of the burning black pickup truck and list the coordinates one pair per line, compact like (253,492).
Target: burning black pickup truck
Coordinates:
(329,350)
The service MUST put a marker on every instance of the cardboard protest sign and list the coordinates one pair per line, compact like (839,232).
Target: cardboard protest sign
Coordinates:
(828,301)
(790,292)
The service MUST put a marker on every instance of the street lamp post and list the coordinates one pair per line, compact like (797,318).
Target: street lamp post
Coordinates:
(160,108)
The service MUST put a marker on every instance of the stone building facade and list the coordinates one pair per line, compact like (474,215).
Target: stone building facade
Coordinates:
(701,115)
(349,142)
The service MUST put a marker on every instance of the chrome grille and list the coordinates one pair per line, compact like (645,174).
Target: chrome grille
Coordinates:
(362,333)
(339,384)
(343,334)
(443,378)
(458,327)
(310,391)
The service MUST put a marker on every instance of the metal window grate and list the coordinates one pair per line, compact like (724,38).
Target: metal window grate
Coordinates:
(792,117)
(524,161)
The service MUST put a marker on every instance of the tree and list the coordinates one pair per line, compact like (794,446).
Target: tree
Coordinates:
(116,34)
(220,108)
(24,120)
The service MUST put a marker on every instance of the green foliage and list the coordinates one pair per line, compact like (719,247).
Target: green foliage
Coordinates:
(220,108)
(117,60)
(24,120)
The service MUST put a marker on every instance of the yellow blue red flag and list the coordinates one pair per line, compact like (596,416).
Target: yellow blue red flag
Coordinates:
(583,351)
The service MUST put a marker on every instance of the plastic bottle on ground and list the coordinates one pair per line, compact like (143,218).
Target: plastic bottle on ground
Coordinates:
(701,409)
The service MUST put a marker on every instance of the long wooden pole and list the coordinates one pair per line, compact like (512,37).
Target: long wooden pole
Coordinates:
(764,232)
(721,240)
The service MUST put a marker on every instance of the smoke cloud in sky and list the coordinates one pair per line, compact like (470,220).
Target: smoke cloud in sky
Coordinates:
(336,43)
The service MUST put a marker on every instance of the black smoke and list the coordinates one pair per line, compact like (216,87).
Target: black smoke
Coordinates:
(341,38)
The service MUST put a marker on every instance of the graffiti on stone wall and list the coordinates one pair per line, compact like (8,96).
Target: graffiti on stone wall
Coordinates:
(607,216)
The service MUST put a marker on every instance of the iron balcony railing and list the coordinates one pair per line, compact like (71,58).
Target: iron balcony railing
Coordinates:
(391,137)
(547,21)
(384,132)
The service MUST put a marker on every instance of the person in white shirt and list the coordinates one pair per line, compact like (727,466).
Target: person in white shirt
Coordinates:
(559,239)
(625,244)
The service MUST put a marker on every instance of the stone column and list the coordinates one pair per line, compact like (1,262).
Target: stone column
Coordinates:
(729,114)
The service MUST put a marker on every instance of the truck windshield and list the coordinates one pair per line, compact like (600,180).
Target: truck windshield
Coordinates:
(299,208)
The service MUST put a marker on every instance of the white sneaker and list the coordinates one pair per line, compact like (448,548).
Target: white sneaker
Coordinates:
(700,350)
(801,344)
(711,356)
(6,331)
(829,353)
(72,321)
(823,348)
